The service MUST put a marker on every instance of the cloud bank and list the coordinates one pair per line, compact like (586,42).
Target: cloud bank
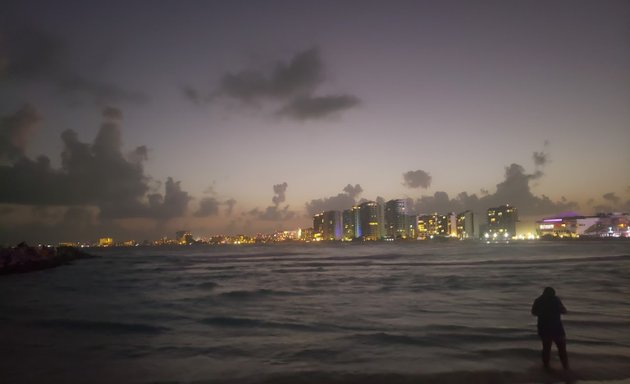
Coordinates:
(16,131)
(341,201)
(96,174)
(514,190)
(292,85)
(32,56)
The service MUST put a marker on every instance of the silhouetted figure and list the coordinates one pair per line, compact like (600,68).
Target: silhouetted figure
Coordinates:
(549,308)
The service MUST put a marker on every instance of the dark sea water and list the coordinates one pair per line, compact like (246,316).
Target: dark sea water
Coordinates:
(420,312)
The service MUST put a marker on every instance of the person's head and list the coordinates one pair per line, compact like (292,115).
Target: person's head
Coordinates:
(549,292)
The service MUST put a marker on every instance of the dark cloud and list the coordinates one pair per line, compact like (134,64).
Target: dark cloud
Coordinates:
(172,204)
(611,197)
(194,95)
(275,212)
(92,174)
(417,179)
(299,76)
(229,203)
(208,206)
(16,131)
(292,84)
(353,191)
(139,155)
(280,193)
(340,202)
(36,57)
(112,113)
(513,190)
(613,203)
(308,107)
(540,158)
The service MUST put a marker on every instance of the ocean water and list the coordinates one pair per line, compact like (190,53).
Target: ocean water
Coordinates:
(420,312)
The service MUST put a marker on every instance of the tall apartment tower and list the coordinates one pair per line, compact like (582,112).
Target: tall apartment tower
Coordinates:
(433,225)
(502,221)
(466,225)
(332,225)
(327,226)
(395,212)
(351,224)
(318,226)
(368,220)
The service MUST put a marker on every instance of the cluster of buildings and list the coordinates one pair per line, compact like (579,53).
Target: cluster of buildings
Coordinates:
(393,220)
(370,221)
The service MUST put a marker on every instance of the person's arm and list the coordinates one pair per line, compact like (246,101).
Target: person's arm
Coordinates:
(535,308)
(563,309)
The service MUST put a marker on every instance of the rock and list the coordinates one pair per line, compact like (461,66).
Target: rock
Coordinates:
(23,258)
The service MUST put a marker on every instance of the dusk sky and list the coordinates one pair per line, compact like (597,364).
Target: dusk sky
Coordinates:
(137,119)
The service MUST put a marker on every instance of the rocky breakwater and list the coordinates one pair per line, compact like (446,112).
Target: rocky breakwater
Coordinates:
(24,258)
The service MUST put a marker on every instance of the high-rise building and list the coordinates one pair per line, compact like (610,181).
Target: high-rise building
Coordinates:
(502,221)
(369,221)
(395,223)
(327,226)
(430,226)
(318,226)
(398,223)
(451,219)
(184,237)
(466,225)
(332,225)
(411,223)
(351,224)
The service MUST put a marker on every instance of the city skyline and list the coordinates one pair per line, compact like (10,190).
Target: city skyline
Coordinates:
(245,118)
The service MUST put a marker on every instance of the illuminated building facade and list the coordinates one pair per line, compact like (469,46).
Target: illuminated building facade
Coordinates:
(571,225)
(466,225)
(184,237)
(318,226)
(502,221)
(398,223)
(435,225)
(327,226)
(105,242)
(452,224)
(351,224)
(331,225)
(369,221)
(395,212)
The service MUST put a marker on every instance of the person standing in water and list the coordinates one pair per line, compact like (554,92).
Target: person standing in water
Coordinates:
(549,309)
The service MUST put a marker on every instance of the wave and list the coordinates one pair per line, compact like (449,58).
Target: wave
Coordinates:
(310,263)
(207,285)
(252,294)
(436,339)
(245,322)
(102,326)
